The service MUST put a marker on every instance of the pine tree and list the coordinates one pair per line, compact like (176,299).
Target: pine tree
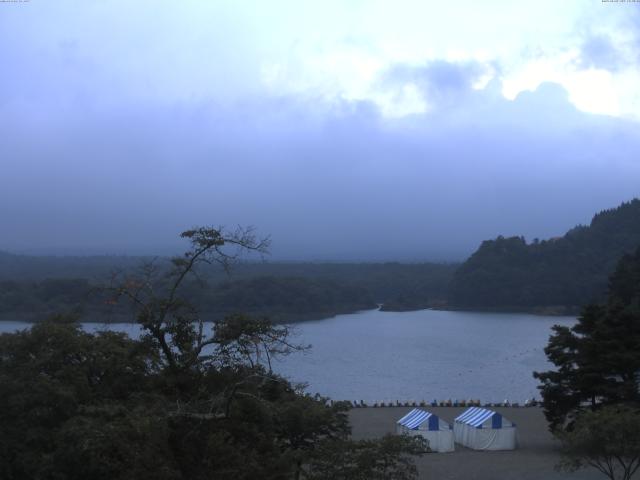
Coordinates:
(598,359)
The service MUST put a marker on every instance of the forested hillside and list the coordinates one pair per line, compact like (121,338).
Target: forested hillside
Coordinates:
(282,298)
(551,276)
(32,288)
(27,267)
(558,274)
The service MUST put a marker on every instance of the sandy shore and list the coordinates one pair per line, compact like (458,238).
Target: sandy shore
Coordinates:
(535,457)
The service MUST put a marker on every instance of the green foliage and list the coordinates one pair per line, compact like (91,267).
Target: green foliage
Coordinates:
(285,292)
(283,298)
(25,268)
(75,405)
(41,299)
(562,272)
(56,380)
(179,403)
(607,439)
(388,458)
(598,359)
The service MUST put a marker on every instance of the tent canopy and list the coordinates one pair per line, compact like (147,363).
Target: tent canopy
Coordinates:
(416,418)
(476,417)
(437,432)
(483,429)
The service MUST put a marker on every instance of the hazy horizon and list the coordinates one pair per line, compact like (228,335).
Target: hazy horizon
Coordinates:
(178,248)
(365,132)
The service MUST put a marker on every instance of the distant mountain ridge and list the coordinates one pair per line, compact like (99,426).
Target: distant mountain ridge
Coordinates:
(557,275)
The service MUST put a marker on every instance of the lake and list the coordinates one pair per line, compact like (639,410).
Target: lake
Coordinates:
(420,355)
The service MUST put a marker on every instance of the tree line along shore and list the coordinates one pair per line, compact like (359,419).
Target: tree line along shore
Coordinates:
(75,404)
(551,277)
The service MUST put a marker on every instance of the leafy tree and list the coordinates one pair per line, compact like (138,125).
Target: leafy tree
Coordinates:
(55,381)
(179,403)
(170,322)
(386,459)
(598,359)
(607,439)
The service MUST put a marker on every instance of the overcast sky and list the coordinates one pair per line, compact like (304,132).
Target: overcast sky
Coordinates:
(363,130)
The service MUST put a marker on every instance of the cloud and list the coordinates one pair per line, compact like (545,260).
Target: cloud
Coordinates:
(398,147)
(346,183)
(633,20)
(440,82)
(598,51)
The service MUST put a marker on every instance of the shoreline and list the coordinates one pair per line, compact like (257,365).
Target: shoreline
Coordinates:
(101,318)
(290,318)
(543,311)
(535,403)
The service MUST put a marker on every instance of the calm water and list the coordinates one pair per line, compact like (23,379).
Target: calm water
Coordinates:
(384,356)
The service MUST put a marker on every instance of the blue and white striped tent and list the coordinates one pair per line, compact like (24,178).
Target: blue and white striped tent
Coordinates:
(428,425)
(482,429)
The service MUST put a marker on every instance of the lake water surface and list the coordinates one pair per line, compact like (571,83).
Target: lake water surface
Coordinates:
(426,354)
